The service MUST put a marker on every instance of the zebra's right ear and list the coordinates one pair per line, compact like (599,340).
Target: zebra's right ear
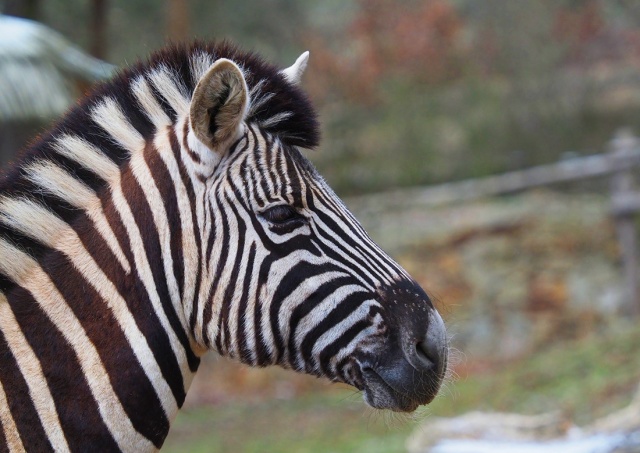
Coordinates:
(219,105)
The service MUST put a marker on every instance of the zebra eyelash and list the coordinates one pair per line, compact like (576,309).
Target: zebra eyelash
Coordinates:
(283,218)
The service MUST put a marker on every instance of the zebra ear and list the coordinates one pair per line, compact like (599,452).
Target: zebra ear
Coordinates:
(219,104)
(294,72)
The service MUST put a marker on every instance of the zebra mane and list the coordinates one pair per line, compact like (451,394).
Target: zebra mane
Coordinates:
(276,105)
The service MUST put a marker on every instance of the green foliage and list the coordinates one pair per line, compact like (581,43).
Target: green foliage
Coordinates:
(422,91)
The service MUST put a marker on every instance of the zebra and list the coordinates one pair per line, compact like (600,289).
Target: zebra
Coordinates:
(172,212)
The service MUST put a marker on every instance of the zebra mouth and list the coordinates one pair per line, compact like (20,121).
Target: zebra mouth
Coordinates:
(381,395)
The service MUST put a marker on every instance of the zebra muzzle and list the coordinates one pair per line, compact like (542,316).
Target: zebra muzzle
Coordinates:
(408,369)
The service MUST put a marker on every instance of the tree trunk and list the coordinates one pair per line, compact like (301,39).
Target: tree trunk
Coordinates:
(98,31)
(29,9)
(178,20)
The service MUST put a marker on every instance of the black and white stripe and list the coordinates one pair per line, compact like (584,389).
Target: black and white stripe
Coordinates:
(130,245)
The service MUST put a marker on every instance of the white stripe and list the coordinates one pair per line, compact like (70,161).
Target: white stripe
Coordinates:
(357,341)
(322,231)
(389,271)
(37,222)
(319,312)
(236,296)
(260,195)
(110,117)
(53,179)
(275,119)
(149,104)
(263,164)
(200,64)
(56,181)
(172,90)
(228,267)
(334,332)
(249,315)
(87,155)
(205,228)
(31,370)
(9,427)
(299,296)
(278,271)
(144,177)
(189,250)
(26,272)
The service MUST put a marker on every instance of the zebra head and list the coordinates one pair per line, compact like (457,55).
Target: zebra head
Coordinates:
(288,276)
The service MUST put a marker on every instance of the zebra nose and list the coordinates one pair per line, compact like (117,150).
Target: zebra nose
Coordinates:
(429,354)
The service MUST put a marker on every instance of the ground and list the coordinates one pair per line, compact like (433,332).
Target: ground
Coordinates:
(584,379)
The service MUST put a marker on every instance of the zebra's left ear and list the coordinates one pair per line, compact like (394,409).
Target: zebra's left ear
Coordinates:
(219,105)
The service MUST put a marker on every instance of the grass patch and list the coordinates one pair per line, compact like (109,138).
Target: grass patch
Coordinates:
(584,379)
(314,423)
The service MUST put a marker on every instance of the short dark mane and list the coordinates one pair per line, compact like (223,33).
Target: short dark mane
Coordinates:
(296,123)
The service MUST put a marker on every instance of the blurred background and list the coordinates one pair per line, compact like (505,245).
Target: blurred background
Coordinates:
(534,271)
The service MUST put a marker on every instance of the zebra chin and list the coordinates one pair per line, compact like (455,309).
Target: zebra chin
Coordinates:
(408,369)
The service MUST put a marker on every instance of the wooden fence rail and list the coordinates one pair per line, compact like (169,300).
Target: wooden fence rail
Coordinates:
(621,158)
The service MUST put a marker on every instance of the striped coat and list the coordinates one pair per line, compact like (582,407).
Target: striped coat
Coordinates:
(170,213)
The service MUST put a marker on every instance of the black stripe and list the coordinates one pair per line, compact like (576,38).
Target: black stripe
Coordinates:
(135,291)
(334,317)
(78,411)
(366,245)
(133,387)
(134,112)
(263,358)
(295,277)
(244,352)
(144,218)
(303,309)
(222,261)
(79,124)
(213,232)
(4,447)
(175,148)
(223,320)
(88,177)
(185,144)
(324,358)
(294,181)
(164,105)
(169,195)
(356,263)
(20,405)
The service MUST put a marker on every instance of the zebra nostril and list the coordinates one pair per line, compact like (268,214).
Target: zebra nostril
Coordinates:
(428,354)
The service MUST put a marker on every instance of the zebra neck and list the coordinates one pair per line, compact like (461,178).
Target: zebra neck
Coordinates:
(97,309)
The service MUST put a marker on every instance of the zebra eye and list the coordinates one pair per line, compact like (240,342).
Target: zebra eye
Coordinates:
(281,213)
(283,218)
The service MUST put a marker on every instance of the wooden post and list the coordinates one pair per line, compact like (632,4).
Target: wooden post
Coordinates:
(622,184)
